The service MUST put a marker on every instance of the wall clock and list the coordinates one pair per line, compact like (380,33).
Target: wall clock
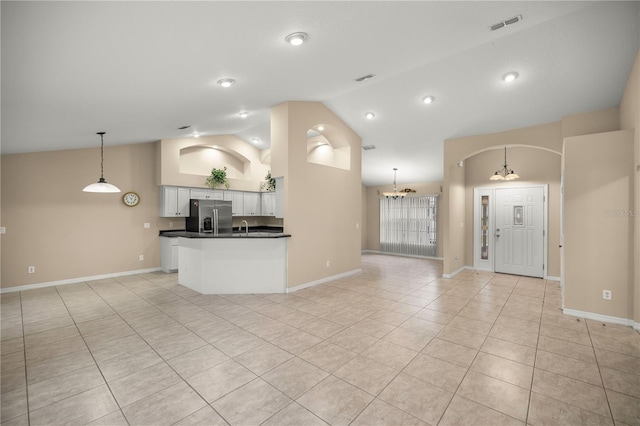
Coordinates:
(131,199)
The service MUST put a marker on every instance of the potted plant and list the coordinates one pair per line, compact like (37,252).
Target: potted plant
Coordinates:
(269,183)
(218,177)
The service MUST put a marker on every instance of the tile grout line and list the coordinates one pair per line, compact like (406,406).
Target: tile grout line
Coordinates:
(24,353)
(535,355)
(151,347)
(331,374)
(384,284)
(92,357)
(478,351)
(606,395)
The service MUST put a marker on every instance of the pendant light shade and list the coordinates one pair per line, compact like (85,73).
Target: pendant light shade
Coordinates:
(102,185)
(505,173)
(395,193)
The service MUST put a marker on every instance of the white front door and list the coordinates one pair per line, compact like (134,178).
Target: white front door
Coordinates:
(519,231)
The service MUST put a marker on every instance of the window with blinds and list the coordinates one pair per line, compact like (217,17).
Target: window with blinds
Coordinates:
(408,225)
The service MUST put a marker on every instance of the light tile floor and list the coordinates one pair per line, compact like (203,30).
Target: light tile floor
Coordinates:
(394,344)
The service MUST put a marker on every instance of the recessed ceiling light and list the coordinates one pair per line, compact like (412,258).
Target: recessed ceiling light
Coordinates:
(226,82)
(255,140)
(369,115)
(195,134)
(296,39)
(243,114)
(510,76)
(320,128)
(428,99)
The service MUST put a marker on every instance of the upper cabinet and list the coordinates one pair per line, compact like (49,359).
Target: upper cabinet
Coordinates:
(237,202)
(280,197)
(251,204)
(174,201)
(206,194)
(268,203)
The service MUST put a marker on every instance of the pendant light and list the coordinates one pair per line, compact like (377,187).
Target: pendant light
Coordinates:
(101,185)
(395,193)
(505,173)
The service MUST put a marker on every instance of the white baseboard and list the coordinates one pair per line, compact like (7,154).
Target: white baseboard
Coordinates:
(552,278)
(457,271)
(604,318)
(323,280)
(401,255)
(75,280)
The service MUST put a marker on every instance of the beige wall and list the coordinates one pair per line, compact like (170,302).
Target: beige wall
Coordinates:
(457,230)
(246,168)
(66,233)
(588,123)
(322,204)
(551,137)
(535,167)
(372,208)
(598,227)
(630,120)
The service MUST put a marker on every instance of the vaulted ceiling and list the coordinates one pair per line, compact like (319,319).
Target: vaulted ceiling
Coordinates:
(141,70)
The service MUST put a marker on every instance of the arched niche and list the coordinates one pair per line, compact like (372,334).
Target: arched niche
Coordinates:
(326,147)
(200,159)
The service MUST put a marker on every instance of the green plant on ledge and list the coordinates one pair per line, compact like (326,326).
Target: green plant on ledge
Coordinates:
(269,183)
(218,177)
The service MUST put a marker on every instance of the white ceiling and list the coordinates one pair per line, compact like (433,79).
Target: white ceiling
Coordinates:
(140,70)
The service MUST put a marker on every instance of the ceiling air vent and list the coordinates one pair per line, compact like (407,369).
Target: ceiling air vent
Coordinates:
(506,22)
(183,127)
(368,147)
(364,78)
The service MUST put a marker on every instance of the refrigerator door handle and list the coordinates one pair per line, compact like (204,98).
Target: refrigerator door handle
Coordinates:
(215,221)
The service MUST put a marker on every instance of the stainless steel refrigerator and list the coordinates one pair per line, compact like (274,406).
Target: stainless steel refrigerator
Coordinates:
(209,217)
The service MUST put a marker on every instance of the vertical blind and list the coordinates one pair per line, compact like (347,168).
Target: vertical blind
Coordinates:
(408,225)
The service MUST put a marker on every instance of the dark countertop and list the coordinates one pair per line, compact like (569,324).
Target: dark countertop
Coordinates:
(253,233)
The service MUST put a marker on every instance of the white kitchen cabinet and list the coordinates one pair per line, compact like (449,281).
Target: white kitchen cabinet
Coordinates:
(169,250)
(237,202)
(268,203)
(207,194)
(280,197)
(251,204)
(174,201)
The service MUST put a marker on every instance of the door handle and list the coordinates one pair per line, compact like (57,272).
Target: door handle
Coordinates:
(498,233)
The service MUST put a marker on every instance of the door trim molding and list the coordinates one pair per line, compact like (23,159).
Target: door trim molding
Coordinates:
(476,220)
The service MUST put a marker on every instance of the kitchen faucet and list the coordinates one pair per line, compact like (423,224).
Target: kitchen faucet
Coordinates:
(246,224)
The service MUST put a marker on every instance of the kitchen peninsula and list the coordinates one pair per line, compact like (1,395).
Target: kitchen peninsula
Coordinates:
(237,263)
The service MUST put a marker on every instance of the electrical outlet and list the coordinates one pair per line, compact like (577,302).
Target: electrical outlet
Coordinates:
(328,263)
(3,230)
(171,224)
(141,257)
(147,225)
(606,294)
(31,270)
(357,225)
